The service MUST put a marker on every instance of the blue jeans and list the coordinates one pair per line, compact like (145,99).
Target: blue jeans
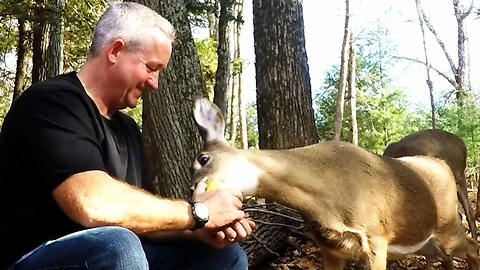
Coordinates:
(116,248)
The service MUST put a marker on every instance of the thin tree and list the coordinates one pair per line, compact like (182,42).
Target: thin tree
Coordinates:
(427,64)
(222,77)
(23,55)
(242,115)
(458,70)
(352,89)
(339,109)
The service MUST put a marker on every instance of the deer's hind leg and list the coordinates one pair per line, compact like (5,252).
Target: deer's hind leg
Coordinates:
(456,244)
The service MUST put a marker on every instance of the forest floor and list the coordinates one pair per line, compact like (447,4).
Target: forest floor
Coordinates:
(303,255)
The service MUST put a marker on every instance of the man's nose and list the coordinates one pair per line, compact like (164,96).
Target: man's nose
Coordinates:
(152,82)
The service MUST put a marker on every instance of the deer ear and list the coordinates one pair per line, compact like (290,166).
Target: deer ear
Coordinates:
(209,120)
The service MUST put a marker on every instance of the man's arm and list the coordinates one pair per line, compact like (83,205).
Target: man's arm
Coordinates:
(95,199)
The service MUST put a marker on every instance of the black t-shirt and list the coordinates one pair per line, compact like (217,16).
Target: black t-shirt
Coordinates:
(51,132)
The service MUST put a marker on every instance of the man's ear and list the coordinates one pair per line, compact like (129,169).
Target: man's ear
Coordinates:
(114,49)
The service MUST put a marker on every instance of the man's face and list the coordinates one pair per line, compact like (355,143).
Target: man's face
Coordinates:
(139,70)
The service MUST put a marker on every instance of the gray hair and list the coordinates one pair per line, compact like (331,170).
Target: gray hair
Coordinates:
(129,21)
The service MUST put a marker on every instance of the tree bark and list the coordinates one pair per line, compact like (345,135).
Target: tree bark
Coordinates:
(222,77)
(54,59)
(40,43)
(284,99)
(168,112)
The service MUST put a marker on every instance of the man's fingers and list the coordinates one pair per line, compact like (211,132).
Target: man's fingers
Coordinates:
(230,233)
(200,187)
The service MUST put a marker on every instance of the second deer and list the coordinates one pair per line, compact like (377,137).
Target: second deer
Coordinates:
(356,204)
(445,146)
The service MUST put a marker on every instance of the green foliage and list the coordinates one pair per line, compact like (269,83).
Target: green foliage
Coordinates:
(136,113)
(207,53)
(199,10)
(79,19)
(382,114)
(8,40)
(464,122)
(252,126)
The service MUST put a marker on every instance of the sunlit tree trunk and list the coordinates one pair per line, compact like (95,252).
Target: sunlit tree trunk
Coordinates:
(23,55)
(339,108)
(427,66)
(242,115)
(352,89)
(213,19)
(168,112)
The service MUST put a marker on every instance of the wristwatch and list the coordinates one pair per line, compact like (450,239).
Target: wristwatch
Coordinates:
(200,214)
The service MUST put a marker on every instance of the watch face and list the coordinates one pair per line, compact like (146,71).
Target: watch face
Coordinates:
(202,211)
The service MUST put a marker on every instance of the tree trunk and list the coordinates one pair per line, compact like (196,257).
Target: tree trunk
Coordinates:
(54,59)
(284,98)
(242,115)
(213,20)
(222,77)
(40,43)
(23,54)
(458,80)
(427,65)
(168,112)
(352,89)
(339,108)
(232,112)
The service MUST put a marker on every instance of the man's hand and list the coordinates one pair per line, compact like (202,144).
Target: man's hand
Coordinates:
(237,231)
(223,204)
(230,234)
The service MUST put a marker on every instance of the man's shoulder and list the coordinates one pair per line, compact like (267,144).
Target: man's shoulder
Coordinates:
(62,89)
(64,82)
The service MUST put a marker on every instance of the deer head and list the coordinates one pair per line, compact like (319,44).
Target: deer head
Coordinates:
(218,159)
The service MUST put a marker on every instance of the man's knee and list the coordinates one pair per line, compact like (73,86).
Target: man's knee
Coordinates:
(235,257)
(120,246)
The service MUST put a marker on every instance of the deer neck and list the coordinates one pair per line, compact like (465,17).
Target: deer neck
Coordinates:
(283,178)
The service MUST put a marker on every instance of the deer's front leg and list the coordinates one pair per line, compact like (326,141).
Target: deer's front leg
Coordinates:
(377,255)
(330,261)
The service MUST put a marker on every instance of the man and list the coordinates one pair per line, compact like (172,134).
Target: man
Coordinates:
(73,186)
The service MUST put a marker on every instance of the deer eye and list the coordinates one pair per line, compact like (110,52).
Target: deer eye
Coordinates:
(203,160)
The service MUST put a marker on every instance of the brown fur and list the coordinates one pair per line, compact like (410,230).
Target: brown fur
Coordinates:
(443,145)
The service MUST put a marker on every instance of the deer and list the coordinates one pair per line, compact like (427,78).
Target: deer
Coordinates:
(443,145)
(355,204)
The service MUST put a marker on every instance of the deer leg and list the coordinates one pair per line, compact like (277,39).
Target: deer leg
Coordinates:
(377,256)
(462,195)
(330,261)
(456,243)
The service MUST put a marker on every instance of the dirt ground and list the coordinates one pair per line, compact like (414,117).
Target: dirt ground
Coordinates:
(302,255)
